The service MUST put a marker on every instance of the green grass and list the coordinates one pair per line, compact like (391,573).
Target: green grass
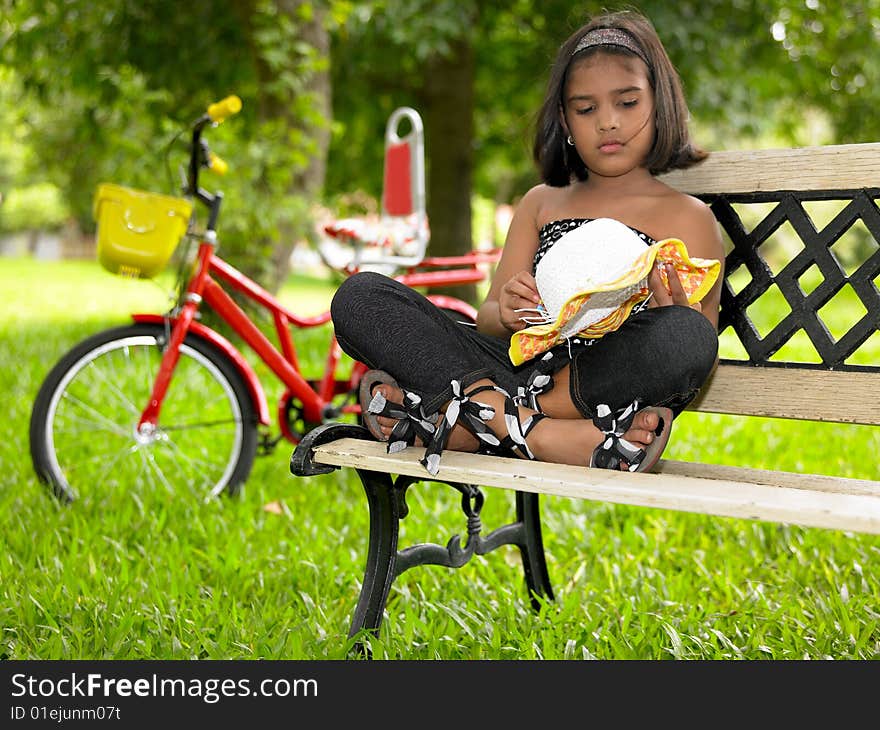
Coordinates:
(275,573)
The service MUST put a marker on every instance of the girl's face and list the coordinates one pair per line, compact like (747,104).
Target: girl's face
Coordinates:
(608,109)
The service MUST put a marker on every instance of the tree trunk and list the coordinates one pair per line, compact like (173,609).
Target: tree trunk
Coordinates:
(308,183)
(448,99)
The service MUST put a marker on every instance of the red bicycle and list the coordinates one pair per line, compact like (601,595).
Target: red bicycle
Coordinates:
(169,401)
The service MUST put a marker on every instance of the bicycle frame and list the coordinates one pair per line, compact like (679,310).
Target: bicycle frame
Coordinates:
(203,285)
(316,400)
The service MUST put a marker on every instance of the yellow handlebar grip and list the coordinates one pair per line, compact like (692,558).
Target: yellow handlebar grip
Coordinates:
(217,164)
(224,108)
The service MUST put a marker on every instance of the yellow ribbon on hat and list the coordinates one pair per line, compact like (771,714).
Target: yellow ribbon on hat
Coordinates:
(697,276)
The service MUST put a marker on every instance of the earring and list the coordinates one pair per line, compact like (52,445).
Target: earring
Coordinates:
(570,141)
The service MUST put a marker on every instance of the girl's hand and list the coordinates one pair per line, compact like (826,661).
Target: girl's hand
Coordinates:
(674,294)
(520,292)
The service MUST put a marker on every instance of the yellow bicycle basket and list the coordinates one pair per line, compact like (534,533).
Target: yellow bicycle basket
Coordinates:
(137,231)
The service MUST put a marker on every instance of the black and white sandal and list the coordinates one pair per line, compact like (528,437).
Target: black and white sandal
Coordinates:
(540,381)
(615,450)
(474,415)
(412,421)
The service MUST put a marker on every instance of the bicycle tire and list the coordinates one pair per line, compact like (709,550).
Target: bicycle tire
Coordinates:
(84,418)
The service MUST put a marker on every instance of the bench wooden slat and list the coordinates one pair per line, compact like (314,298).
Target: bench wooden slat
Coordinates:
(725,497)
(837,167)
(815,395)
(790,479)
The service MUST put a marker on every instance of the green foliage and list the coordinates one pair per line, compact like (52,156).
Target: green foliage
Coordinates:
(741,82)
(33,208)
(827,56)
(14,151)
(93,91)
(117,80)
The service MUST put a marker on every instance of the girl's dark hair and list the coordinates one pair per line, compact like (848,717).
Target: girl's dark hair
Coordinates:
(672,148)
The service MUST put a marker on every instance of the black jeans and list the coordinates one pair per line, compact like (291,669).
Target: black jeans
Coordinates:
(660,356)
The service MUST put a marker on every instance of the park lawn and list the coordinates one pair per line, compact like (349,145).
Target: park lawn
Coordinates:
(274,573)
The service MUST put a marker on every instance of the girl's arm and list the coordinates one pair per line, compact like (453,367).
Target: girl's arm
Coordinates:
(513,286)
(697,228)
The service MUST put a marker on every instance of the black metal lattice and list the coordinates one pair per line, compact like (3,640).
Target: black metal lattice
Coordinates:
(804,315)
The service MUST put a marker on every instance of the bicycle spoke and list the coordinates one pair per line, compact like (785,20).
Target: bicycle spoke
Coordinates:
(203,467)
(105,461)
(201,464)
(99,421)
(148,368)
(121,397)
(149,466)
(201,424)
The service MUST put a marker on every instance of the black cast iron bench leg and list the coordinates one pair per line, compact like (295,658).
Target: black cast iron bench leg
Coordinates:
(386,511)
(386,498)
(381,555)
(532,548)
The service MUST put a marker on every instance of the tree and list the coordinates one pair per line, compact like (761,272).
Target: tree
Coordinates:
(118,78)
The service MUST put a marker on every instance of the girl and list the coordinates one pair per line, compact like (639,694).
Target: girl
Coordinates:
(614,116)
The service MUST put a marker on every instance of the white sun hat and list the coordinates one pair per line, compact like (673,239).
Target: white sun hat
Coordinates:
(593,276)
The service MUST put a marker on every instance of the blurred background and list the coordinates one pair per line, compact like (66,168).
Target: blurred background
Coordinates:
(93,92)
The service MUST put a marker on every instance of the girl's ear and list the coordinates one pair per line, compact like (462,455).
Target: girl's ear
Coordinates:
(562,121)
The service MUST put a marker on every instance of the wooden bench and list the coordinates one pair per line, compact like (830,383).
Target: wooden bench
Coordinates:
(754,195)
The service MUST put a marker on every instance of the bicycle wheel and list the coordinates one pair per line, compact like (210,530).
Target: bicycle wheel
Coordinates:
(83,430)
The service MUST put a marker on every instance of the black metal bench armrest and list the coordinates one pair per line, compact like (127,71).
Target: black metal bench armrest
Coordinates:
(302,463)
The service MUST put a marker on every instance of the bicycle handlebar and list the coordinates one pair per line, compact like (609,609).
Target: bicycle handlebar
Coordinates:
(223,109)
(201,156)
(218,112)
(217,164)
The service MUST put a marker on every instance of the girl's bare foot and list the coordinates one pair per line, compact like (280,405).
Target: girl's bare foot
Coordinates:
(573,441)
